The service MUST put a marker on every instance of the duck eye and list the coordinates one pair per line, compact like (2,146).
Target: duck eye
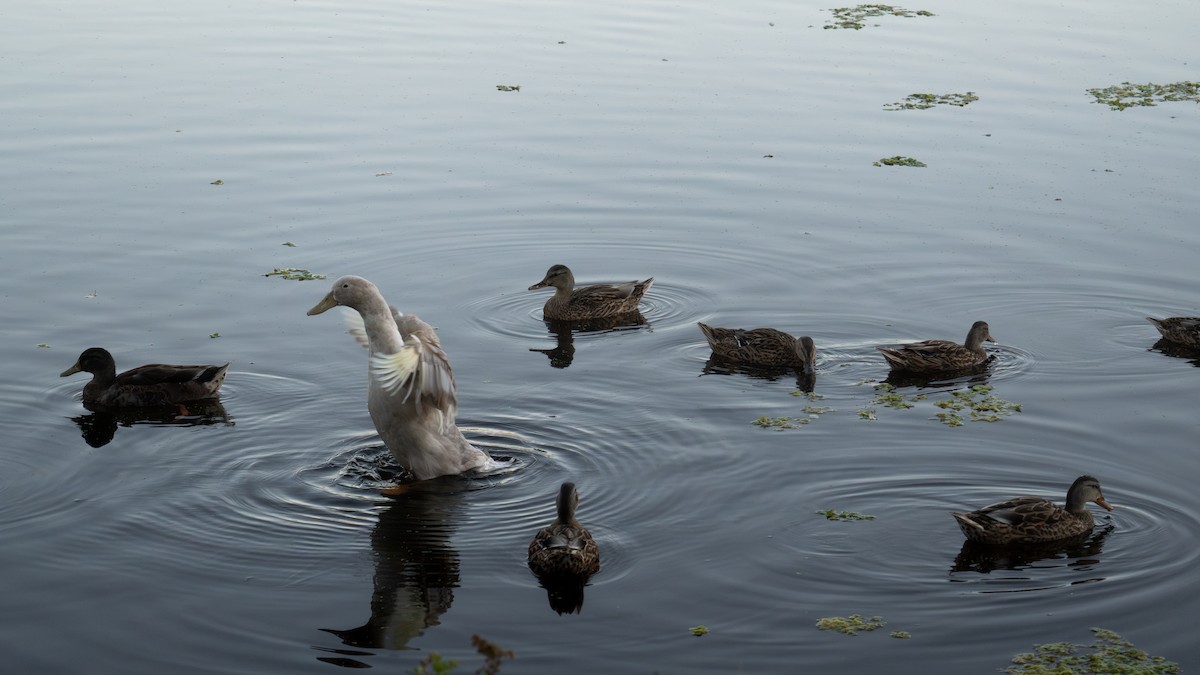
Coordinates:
(345,285)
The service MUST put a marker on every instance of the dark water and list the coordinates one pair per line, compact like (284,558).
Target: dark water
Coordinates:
(253,537)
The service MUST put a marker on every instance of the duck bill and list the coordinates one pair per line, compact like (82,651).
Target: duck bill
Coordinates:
(72,370)
(540,284)
(1104,503)
(326,303)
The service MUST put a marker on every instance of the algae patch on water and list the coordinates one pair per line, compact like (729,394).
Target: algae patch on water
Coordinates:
(975,404)
(1109,653)
(844,516)
(850,625)
(1129,95)
(899,160)
(926,101)
(294,274)
(853,17)
(699,630)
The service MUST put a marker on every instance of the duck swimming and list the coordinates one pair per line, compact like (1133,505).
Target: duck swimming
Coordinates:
(564,548)
(761,347)
(411,394)
(590,302)
(154,384)
(1033,520)
(1182,330)
(941,355)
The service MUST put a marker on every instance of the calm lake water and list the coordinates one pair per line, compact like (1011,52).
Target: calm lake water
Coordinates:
(723,148)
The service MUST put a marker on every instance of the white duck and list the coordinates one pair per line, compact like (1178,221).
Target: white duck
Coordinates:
(411,394)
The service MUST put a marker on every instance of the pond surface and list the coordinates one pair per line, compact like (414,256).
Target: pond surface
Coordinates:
(723,148)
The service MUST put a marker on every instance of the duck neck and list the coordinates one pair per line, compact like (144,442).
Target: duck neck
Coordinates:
(104,376)
(381,328)
(1076,503)
(566,506)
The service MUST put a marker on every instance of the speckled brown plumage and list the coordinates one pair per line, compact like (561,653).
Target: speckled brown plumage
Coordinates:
(1031,520)
(1182,330)
(564,548)
(761,347)
(590,302)
(941,355)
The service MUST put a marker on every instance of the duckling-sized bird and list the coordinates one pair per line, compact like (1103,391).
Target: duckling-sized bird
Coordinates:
(1182,330)
(564,548)
(761,347)
(590,302)
(941,355)
(1033,520)
(411,393)
(155,384)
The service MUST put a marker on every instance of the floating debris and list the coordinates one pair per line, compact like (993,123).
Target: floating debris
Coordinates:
(214,335)
(91,295)
(844,516)
(926,101)
(383,173)
(867,414)
(288,243)
(217,182)
(778,423)
(508,87)
(699,630)
(1110,654)
(979,403)
(294,274)
(888,398)
(899,160)
(43,345)
(850,625)
(1129,95)
(900,634)
(852,17)
(812,396)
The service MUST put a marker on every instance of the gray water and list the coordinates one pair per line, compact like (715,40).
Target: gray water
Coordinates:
(252,537)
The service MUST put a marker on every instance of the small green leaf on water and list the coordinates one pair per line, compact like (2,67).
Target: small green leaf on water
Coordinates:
(899,160)
(508,87)
(867,414)
(214,335)
(850,625)
(294,274)
(217,182)
(844,516)
(808,395)
(699,630)
(900,634)
(288,243)
(43,345)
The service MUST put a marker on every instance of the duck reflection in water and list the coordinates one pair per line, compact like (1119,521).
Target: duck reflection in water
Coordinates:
(1176,350)
(563,555)
(100,426)
(984,558)
(416,568)
(563,332)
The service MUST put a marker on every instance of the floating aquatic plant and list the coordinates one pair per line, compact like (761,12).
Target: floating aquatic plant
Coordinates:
(434,664)
(899,160)
(492,653)
(979,404)
(1129,95)
(778,423)
(888,398)
(900,634)
(844,516)
(867,414)
(699,630)
(288,243)
(294,274)
(214,335)
(508,87)
(812,396)
(217,182)
(926,101)
(852,17)
(1109,654)
(850,625)
(43,345)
